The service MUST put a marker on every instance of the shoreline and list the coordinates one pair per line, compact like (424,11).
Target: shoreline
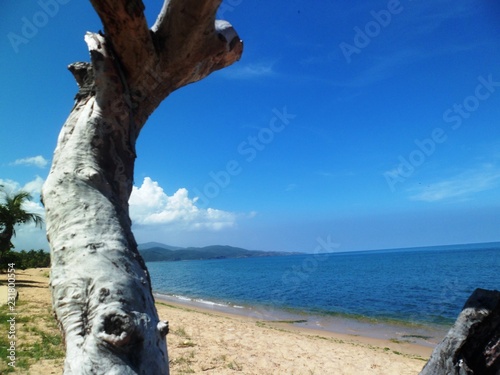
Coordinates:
(229,342)
(204,340)
(417,340)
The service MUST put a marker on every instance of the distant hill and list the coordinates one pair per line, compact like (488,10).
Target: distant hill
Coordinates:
(157,252)
(150,245)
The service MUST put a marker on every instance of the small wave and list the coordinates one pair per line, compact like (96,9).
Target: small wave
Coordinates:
(182,298)
(210,303)
(201,301)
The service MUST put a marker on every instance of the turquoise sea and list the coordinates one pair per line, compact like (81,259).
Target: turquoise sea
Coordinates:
(410,287)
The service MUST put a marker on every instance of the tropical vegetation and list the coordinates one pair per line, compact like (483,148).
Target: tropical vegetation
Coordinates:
(12,213)
(26,259)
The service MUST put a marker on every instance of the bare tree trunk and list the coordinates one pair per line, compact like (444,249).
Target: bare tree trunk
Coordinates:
(101,288)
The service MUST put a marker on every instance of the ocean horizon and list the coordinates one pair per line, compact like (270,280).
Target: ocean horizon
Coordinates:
(423,288)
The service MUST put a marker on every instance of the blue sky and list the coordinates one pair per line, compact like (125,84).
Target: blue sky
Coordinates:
(368,124)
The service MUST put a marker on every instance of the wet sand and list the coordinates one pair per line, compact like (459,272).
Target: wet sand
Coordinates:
(210,341)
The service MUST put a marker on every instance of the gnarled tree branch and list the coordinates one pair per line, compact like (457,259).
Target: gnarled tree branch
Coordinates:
(185,45)
(126,29)
(100,285)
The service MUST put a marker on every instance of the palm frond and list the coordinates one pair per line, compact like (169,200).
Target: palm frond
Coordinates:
(12,213)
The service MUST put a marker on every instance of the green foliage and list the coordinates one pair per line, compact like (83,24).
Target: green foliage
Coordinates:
(27,259)
(12,213)
(37,338)
(233,365)
(49,347)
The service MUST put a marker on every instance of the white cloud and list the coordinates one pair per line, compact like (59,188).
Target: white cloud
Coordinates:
(30,237)
(37,161)
(461,187)
(34,207)
(33,187)
(249,71)
(9,185)
(151,206)
(382,67)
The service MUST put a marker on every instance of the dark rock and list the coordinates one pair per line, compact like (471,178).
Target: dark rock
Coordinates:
(472,346)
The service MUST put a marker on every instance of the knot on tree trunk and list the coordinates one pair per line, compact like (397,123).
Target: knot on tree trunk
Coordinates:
(117,329)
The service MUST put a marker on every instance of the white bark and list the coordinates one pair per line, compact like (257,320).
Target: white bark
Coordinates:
(100,285)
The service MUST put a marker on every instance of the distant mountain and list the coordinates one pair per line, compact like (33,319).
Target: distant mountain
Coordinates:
(157,252)
(150,245)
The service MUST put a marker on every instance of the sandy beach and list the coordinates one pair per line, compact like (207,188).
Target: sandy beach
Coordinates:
(203,341)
